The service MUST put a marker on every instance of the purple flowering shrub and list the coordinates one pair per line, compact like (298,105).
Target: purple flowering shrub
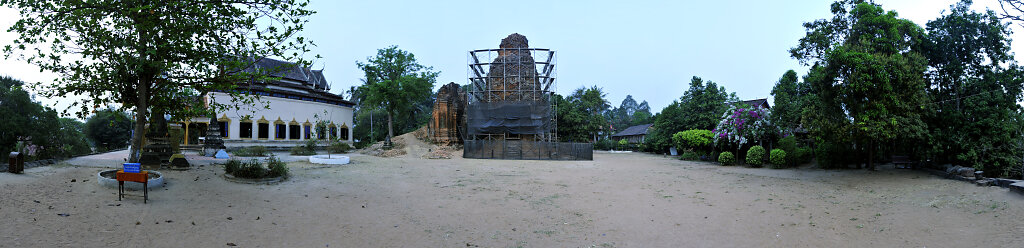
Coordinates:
(742,124)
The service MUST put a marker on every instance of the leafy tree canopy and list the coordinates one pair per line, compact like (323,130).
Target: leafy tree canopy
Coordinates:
(396,83)
(154,53)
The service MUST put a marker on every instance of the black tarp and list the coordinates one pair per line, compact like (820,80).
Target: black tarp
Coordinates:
(508,118)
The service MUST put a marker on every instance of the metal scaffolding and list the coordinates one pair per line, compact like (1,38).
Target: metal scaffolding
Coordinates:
(511,108)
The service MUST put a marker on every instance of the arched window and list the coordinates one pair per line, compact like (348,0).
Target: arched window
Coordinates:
(280,130)
(344,132)
(293,129)
(245,129)
(263,128)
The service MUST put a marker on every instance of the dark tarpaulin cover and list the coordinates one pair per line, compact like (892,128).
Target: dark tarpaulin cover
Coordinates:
(508,117)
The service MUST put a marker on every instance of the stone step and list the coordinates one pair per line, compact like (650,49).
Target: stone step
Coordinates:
(1019,187)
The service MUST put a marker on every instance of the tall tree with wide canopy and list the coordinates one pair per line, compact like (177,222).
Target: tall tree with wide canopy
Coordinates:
(703,104)
(868,72)
(975,87)
(395,82)
(160,54)
(789,96)
(580,115)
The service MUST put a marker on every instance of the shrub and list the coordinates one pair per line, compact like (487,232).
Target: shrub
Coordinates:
(788,144)
(693,139)
(726,158)
(623,144)
(301,151)
(251,169)
(232,166)
(755,156)
(778,158)
(689,155)
(339,147)
(604,145)
(252,151)
(306,149)
(276,167)
(802,155)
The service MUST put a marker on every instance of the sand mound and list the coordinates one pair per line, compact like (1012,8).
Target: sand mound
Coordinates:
(415,144)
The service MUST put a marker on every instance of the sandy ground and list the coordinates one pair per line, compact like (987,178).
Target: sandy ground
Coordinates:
(617,200)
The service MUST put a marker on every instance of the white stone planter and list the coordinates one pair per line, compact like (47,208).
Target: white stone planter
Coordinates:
(108,179)
(334,159)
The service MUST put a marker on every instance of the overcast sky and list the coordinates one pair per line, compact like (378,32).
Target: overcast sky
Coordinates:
(647,49)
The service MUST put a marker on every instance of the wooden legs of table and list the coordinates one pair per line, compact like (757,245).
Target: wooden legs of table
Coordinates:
(145,191)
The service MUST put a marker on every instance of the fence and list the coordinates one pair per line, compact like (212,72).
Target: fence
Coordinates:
(527,150)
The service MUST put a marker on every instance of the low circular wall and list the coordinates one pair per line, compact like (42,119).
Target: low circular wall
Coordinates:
(323,159)
(108,178)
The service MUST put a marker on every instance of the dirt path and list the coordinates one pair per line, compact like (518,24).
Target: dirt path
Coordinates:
(617,200)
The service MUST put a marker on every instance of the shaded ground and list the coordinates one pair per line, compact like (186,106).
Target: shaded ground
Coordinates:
(617,200)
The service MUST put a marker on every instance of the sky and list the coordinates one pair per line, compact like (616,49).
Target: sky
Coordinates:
(647,49)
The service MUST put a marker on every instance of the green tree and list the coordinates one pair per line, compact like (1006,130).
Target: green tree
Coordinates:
(109,128)
(580,117)
(700,107)
(869,65)
(34,124)
(974,118)
(703,104)
(789,96)
(156,54)
(395,82)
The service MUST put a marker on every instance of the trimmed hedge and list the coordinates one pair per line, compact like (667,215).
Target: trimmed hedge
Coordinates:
(689,155)
(778,158)
(726,158)
(755,156)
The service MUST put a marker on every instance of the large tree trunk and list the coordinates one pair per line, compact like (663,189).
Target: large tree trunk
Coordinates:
(391,130)
(140,123)
(871,155)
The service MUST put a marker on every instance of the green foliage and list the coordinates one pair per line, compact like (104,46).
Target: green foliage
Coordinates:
(696,139)
(689,155)
(367,134)
(802,155)
(35,125)
(155,54)
(628,114)
(778,158)
(580,115)
(755,155)
(623,144)
(976,120)
(789,95)
(726,158)
(339,147)
(276,168)
(604,145)
(865,85)
(252,151)
(395,82)
(109,128)
(251,169)
(232,165)
(301,151)
(699,108)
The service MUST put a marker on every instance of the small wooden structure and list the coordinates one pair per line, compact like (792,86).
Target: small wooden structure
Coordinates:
(141,177)
(633,135)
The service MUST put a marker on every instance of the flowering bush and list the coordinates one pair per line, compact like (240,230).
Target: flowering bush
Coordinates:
(742,124)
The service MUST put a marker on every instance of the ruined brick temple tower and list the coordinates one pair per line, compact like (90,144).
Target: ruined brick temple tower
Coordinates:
(510,113)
